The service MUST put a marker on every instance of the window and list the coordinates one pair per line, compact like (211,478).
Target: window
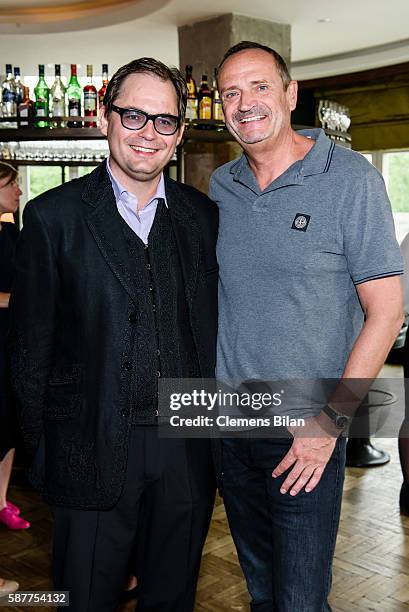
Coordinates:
(394,166)
(84,170)
(78,171)
(42,178)
(396,175)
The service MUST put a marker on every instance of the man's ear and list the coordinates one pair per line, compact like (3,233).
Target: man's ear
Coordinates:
(292,93)
(180,135)
(103,121)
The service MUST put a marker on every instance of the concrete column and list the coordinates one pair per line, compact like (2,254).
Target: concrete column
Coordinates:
(203,45)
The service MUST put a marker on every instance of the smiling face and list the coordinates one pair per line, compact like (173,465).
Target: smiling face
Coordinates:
(10,194)
(141,155)
(256,106)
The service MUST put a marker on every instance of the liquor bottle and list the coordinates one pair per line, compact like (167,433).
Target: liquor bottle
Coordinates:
(26,109)
(74,92)
(101,93)
(42,100)
(8,99)
(217,102)
(18,86)
(204,99)
(191,106)
(90,99)
(58,108)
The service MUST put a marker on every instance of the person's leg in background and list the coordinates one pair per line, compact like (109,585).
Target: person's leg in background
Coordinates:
(9,518)
(9,513)
(8,586)
(6,465)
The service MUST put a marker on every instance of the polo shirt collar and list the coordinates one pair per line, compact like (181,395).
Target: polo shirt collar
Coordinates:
(316,161)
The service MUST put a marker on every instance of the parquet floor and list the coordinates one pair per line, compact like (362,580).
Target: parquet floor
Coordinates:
(371,567)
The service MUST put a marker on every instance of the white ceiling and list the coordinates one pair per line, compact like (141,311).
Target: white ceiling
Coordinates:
(359,33)
(354,24)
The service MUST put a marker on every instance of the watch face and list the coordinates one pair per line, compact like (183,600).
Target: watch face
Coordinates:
(341,422)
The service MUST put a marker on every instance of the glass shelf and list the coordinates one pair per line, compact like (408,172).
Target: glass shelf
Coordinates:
(54,152)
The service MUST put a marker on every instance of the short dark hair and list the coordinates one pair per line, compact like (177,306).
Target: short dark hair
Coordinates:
(7,171)
(247,44)
(148,65)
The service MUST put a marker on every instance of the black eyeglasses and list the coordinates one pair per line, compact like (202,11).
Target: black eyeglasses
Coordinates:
(135,119)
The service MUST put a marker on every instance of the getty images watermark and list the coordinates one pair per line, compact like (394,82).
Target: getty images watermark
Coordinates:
(254,408)
(222,401)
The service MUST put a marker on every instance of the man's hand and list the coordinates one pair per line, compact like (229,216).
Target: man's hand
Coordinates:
(310,452)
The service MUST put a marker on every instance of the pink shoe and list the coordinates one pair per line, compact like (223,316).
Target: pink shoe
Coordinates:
(12,520)
(12,507)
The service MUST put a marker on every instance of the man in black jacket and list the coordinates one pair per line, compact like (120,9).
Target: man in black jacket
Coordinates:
(116,285)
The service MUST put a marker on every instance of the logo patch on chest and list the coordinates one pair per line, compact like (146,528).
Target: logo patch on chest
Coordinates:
(301,222)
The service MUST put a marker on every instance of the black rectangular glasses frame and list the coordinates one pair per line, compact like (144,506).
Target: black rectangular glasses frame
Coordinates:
(153,118)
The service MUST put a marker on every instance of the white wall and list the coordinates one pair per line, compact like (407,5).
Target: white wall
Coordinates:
(115,45)
(118,44)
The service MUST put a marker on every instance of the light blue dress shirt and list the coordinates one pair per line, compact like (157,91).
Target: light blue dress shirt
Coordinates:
(127,203)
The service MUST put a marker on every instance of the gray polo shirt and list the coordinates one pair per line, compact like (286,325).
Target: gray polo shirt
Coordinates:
(290,258)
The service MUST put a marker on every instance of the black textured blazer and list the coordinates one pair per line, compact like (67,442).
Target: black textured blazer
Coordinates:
(71,330)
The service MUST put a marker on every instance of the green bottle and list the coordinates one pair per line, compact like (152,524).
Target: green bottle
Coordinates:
(42,101)
(74,94)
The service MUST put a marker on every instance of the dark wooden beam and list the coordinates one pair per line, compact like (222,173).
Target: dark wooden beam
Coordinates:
(356,78)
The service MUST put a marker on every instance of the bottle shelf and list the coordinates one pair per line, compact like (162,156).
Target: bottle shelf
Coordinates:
(205,129)
(65,133)
(205,124)
(200,130)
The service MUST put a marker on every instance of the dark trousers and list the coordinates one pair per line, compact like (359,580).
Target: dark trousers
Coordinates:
(285,544)
(156,530)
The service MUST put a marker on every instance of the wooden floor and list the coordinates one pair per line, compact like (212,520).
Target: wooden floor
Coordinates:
(371,567)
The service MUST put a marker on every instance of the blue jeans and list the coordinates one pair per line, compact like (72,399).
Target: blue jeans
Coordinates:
(285,544)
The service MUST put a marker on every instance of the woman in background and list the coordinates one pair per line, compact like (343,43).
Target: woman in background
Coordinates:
(9,202)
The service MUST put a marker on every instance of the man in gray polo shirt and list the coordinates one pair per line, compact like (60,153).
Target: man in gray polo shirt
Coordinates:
(306,250)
